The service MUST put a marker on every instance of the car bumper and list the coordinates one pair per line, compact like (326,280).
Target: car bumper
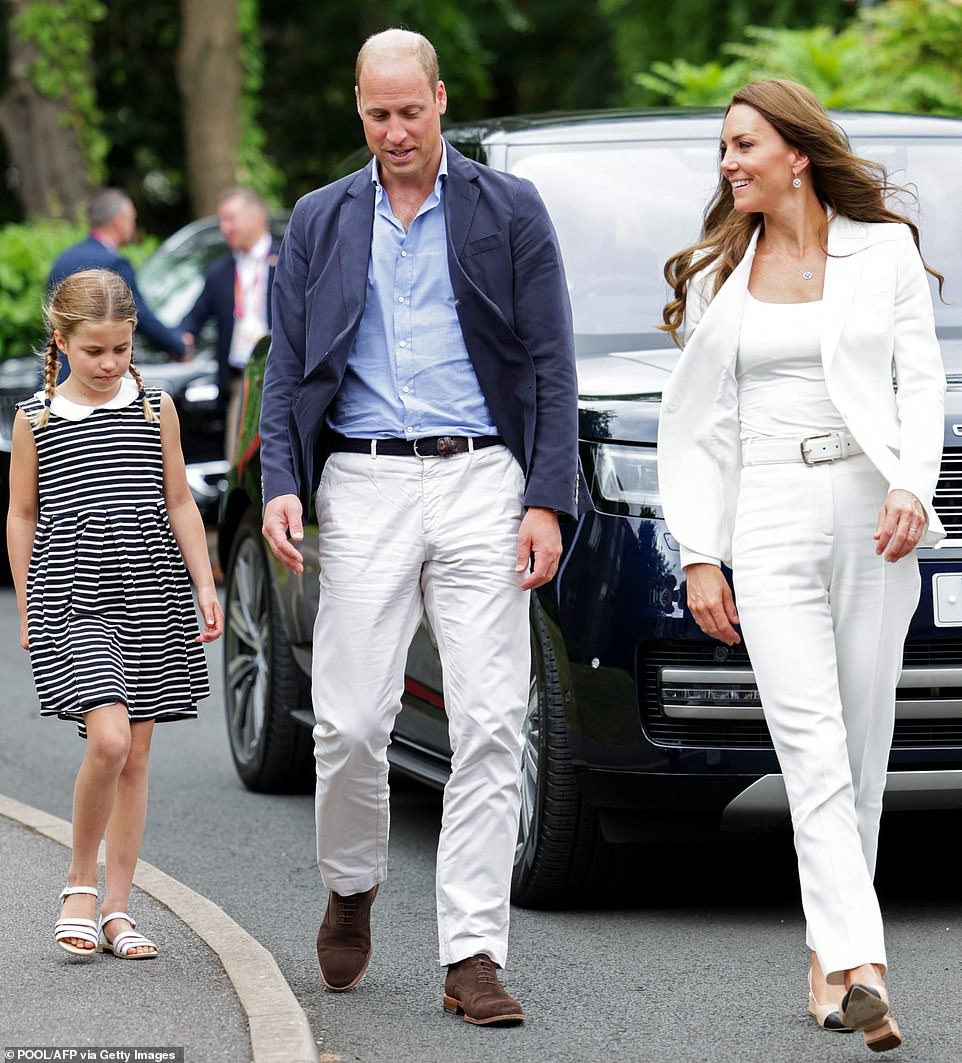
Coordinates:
(663,718)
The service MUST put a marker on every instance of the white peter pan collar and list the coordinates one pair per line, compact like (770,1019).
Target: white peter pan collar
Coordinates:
(76,411)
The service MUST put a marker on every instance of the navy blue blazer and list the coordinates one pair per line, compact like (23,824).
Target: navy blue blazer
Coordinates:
(92,254)
(512,304)
(216,301)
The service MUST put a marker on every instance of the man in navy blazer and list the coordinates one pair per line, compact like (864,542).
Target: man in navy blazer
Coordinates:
(113,221)
(421,380)
(237,296)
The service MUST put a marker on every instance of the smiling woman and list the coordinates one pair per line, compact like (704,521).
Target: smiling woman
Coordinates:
(814,480)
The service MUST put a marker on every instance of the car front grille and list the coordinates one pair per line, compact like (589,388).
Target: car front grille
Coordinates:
(709,726)
(948,492)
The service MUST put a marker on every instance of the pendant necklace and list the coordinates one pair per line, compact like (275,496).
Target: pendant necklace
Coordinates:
(807,274)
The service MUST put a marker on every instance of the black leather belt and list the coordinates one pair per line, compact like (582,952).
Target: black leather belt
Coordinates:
(427,447)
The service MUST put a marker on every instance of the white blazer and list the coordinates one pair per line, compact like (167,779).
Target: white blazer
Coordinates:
(877,321)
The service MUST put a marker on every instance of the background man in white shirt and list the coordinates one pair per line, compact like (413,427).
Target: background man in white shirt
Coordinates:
(236,295)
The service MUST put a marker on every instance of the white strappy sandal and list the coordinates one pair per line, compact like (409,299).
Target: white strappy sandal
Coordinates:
(72,927)
(125,941)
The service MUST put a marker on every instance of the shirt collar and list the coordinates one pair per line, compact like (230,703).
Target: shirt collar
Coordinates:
(102,238)
(69,410)
(442,172)
(258,253)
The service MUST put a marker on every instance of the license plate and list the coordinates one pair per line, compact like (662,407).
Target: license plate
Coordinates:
(947,596)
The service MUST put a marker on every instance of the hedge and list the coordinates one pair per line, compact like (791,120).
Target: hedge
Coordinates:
(26,255)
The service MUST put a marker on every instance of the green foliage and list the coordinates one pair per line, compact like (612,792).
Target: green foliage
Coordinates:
(136,48)
(255,168)
(646,32)
(26,255)
(899,56)
(832,64)
(918,45)
(685,84)
(63,35)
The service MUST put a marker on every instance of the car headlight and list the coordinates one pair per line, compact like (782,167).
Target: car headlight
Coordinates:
(624,479)
(202,390)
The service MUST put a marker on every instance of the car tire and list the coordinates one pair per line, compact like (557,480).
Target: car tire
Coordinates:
(272,752)
(561,857)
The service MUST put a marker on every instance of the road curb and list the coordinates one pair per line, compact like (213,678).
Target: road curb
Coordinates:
(279,1030)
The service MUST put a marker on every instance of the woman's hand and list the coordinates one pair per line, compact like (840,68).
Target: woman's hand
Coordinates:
(711,603)
(901,524)
(24,640)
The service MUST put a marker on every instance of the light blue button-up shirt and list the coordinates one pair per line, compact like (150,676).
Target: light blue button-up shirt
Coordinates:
(409,373)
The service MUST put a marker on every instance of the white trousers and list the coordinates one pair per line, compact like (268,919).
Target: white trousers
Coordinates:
(824,619)
(400,536)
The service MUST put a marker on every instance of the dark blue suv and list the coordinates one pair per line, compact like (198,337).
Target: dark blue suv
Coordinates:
(639,727)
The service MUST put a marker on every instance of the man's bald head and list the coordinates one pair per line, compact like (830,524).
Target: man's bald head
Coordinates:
(394,44)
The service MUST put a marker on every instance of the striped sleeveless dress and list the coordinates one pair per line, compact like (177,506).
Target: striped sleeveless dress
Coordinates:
(110,610)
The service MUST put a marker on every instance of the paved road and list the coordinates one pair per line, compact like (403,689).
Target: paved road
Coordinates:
(709,966)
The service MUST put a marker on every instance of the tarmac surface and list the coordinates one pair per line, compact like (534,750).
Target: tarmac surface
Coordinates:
(217,995)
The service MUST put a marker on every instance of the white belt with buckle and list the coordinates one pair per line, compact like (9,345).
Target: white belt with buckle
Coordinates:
(812,450)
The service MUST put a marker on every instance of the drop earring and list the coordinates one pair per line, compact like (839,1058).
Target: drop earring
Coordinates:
(796,182)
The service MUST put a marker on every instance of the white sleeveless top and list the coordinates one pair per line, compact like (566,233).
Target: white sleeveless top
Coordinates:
(781,381)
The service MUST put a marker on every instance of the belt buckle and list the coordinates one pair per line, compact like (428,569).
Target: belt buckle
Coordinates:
(809,460)
(444,447)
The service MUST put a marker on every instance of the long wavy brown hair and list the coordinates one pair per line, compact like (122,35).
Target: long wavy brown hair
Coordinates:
(851,186)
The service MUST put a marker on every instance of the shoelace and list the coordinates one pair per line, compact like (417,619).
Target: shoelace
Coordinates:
(346,912)
(485,969)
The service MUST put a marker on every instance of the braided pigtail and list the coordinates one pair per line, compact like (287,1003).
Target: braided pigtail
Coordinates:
(142,394)
(51,367)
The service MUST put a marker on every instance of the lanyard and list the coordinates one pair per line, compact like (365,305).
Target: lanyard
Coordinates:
(240,295)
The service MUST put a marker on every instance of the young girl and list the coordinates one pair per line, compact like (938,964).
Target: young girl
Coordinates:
(101,523)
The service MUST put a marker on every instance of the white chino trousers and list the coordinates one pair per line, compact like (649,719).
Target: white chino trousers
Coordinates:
(400,536)
(824,619)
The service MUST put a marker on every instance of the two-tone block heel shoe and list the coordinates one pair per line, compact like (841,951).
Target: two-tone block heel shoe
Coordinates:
(866,1008)
(827,1014)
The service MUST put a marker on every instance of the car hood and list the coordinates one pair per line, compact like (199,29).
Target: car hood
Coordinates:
(620,393)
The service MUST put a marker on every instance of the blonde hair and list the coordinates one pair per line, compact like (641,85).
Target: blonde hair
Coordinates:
(92,295)
(851,186)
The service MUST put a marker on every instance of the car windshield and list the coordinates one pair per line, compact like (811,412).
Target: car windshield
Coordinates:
(622,208)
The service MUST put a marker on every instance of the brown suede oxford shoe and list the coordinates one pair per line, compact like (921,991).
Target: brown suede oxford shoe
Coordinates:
(344,940)
(472,989)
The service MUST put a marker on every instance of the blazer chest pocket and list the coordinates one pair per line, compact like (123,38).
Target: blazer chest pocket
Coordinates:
(484,243)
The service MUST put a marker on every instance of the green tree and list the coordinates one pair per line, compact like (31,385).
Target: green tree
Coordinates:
(49,114)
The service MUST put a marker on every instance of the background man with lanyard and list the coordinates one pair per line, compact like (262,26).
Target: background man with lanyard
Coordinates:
(236,295)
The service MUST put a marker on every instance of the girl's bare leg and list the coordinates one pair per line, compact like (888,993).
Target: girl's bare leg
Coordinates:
(125,829)
(108,743)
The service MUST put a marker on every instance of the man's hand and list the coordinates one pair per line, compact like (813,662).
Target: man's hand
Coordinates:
(711,602)
(901,524)
(282,515)
(539,537)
